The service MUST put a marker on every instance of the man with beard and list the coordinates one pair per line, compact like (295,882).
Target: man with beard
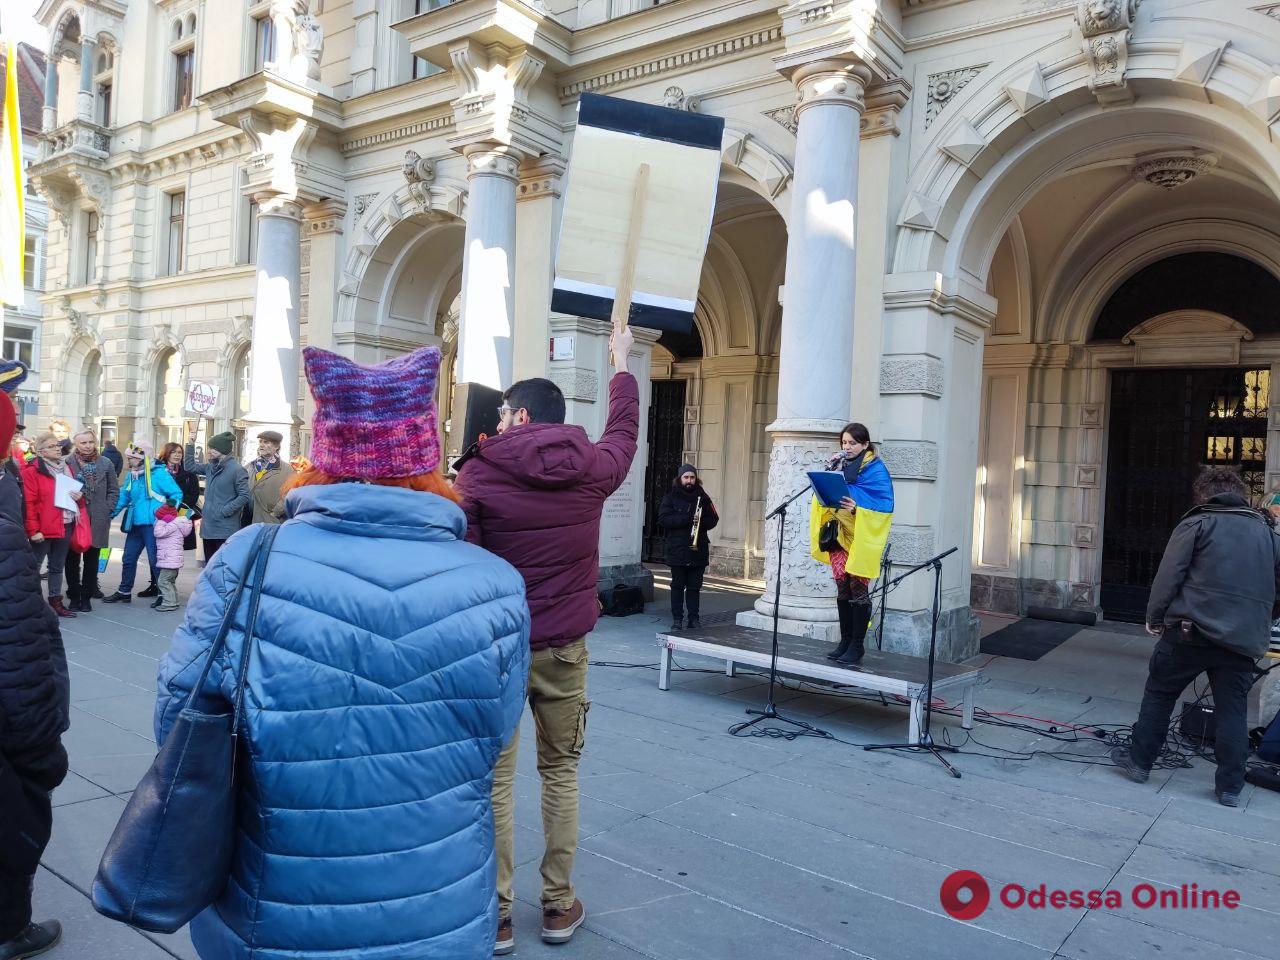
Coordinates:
(685,506)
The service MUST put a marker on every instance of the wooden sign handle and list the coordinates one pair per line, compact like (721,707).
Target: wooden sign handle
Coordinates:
(627,279)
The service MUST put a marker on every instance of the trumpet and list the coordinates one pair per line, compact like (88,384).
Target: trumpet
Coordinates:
(697,524)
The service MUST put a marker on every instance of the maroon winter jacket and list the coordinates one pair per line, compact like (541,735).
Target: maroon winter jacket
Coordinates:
(533,496)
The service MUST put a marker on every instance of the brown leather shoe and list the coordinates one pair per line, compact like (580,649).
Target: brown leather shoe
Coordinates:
(58,608)
(506,939)
(559,926)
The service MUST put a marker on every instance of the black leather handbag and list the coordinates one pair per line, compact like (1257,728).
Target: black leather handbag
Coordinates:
(170,854)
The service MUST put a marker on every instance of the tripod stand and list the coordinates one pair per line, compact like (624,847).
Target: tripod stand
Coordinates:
(770,711)
(925,742)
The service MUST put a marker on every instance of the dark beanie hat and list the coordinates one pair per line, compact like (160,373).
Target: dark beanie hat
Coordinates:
(223,443)
(686,468)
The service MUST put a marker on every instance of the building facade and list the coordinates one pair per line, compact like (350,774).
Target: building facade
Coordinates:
(22,321)
(1033,245)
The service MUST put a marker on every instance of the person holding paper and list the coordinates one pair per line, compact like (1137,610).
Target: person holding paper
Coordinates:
(52,495)
(851,537)
(101,490)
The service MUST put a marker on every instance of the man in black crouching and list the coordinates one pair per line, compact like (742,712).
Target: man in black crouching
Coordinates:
(1212,603)
(686,515)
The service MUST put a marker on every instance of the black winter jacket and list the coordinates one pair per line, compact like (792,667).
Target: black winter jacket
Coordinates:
(1221,571)
(34,693)
(675,517)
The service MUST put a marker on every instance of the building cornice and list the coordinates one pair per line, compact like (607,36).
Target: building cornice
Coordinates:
(643,65)
(394,132)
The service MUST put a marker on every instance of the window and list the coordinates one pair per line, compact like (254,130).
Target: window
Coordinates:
(240,383)
(32,268)
(182,79)
(19,344)
(90,246)
(182,48)
(102,84)
(31,187)
(177,221)
(419,68)
(264,41)
(168,398)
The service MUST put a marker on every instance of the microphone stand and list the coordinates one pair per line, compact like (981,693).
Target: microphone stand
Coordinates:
(886,566)
(926,743)
(770,711)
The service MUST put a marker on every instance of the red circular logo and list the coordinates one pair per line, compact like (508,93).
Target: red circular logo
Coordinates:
(971,906)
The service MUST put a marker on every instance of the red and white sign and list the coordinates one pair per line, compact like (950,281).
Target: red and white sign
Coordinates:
(201,397)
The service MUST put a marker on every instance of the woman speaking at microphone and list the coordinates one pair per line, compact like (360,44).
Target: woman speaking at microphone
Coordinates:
(851,538)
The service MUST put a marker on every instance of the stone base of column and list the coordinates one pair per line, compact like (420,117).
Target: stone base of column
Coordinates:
(907,631)
(632,574)
(826,630)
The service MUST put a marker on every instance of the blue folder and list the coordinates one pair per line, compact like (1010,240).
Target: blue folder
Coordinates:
(830,486)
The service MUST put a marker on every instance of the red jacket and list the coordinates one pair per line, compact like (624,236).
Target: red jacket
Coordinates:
(533,496)
(37,489)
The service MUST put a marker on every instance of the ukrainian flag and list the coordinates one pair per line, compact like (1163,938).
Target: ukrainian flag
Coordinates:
(12,217)
(864,533)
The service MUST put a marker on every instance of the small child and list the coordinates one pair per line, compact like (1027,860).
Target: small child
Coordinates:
(171,528)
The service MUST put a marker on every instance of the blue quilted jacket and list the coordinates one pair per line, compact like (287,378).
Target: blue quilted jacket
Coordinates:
(389,670)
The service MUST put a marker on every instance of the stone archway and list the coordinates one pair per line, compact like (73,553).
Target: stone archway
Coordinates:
(1019,135)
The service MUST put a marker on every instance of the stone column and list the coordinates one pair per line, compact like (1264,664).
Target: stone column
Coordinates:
(486,328)
(816,354)
(323,228)
(275,350)
(49,116)
(84,96)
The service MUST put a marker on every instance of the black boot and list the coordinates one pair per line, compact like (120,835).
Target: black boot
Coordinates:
(846,630)
(677,621)
(694,622)
(36,939)
(860,616)
(151,591)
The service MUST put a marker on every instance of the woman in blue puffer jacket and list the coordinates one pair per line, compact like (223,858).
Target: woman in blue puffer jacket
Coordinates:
(144,486)
(387,671)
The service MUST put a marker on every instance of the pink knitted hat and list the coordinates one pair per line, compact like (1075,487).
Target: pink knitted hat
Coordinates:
(374,422)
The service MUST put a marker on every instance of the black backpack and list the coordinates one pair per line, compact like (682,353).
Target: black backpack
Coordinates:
(621,601)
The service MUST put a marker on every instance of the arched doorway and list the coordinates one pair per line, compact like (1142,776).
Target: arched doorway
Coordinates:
(167,398)
(715,391)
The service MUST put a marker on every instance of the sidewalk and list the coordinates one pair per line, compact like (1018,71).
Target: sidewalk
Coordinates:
(699,846)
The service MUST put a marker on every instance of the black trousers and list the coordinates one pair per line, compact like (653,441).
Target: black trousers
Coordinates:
(82,573)
(1174,664)
(211,547)
(26,797)
(686,587)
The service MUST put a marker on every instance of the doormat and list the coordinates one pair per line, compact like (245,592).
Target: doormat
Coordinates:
(1029,639)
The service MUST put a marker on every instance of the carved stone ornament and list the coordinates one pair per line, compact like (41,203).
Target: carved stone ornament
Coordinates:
(1171,170)
(362,203)
(77,321)
(784,116)
(419,173)
(1211,337)
(673,98)
(943,88)
(1105,28)
(308,45)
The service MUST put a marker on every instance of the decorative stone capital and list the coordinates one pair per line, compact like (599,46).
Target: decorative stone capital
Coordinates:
(883,105)
(493,105)
(831,82)
(541,178)
(273,204)
(492,160)
(324,217)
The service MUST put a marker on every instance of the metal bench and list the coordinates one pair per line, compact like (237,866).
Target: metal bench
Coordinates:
(880,671)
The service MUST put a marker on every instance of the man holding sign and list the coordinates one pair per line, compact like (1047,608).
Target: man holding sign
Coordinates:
(533,495)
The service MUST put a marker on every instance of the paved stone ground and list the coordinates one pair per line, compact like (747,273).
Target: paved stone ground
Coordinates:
(699,845)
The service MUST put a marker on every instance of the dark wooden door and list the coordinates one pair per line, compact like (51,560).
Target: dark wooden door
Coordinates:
(666,453)
(1165,425)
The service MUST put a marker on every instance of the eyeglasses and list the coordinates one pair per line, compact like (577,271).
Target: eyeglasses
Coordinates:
(504,410)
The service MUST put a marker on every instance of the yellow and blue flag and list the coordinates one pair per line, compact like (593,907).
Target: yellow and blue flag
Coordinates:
(12,216)
(864,533)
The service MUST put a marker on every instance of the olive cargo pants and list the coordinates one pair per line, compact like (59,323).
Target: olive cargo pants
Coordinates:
(558,699)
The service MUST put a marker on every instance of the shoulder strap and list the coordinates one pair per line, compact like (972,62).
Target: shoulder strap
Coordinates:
(255,596)
(228,616)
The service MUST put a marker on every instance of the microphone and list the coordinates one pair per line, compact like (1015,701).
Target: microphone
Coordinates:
(837,459)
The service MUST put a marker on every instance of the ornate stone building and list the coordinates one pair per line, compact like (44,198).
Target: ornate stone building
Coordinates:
(1033,245)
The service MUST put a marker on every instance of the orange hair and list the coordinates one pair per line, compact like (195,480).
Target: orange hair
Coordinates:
(431,482)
